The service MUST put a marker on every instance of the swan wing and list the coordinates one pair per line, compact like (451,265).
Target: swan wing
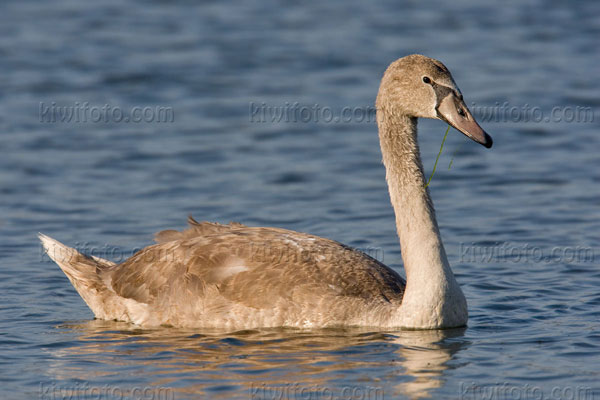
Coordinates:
(222,266)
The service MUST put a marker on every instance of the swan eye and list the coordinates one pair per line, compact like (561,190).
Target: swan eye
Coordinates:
(426,80)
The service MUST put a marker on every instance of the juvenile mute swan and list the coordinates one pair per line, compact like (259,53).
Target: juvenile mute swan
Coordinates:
(238,277)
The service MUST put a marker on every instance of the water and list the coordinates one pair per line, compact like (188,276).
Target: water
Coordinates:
(520,222)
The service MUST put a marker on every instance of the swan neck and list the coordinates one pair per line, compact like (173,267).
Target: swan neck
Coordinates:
(415,216)
(432,298)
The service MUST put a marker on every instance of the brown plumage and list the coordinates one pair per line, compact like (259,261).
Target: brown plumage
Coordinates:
(249,264)
(234,276)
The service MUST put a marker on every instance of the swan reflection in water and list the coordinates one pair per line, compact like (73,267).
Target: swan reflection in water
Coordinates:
(260,364)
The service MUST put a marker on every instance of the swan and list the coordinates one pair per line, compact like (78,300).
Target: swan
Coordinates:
(238,277)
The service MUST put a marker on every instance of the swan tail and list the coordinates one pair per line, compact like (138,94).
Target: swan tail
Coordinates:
(83,271)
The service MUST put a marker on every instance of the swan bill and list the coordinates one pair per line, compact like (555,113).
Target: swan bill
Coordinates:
(453,110)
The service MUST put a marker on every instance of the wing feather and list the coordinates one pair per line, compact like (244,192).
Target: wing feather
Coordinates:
(195,229)
(254,267)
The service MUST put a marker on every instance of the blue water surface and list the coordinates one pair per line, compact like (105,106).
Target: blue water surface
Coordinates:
(520,222)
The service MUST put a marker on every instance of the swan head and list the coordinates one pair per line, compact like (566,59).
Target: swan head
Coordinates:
(421,87)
